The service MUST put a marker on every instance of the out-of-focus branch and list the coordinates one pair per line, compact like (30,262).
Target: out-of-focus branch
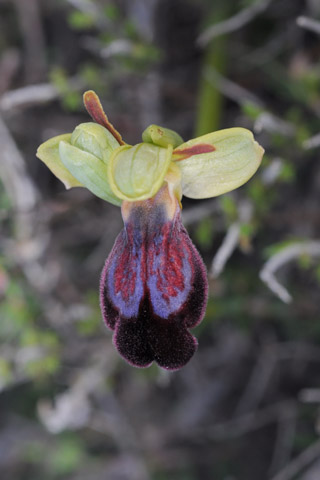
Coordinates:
(226,249)
(272,171)
(31,232)
(93,9)
(120,46)
(199,212)
(312,142)
(266,120)
(241,425)
(35,94)
(308,456)
(310,395)
(230,89)
(285,438)
(72,409)
(231,239)
(233,23)
(286,255)
(27,96)
(9,64)
(32,32)
(270,123)
(20,188)
(309,24)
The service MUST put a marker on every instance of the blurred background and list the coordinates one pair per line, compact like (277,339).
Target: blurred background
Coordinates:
(247,405)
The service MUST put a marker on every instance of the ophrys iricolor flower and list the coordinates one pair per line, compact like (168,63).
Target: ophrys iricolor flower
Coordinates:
(154,284)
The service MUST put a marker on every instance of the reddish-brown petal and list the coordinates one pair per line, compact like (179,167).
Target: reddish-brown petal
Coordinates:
(94,108)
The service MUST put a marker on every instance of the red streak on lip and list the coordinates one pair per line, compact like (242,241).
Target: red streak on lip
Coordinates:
(182,154)
(94,108)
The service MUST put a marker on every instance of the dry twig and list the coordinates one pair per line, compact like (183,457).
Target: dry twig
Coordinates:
(32,32)
(31,233)
(231,239)
(233,23)
(199,212)
(27,96)
(35,94)
(308,456)
(267,274)
(285,438)
(243,424)
(230,89)
(312,142)
(9,64)
(20,188)
(309,24)
(270,123)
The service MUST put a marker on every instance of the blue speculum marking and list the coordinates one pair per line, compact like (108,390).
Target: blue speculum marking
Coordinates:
(164,304)
(164,307)
(127,269)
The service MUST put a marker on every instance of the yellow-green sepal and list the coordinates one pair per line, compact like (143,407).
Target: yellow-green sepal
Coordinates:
(218,162)
(48,152)
(89,170)
(137,173)
(163,137)
(95,139)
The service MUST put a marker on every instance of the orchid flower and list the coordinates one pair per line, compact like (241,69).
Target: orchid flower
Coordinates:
(154,285)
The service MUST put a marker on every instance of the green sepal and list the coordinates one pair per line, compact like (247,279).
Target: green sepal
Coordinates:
(89,170)
(48,152)
(218,162)
(163,137)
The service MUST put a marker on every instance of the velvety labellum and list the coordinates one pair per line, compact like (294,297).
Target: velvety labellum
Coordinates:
(154,285)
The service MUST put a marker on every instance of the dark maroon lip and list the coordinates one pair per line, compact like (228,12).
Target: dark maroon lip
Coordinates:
(153,289)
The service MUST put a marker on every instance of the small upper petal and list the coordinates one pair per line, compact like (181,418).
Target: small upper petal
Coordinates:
(163,137)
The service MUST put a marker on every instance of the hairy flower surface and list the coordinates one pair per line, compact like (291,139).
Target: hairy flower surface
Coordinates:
(153,286)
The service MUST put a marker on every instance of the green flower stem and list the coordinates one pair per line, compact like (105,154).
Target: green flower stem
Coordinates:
(210,100)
